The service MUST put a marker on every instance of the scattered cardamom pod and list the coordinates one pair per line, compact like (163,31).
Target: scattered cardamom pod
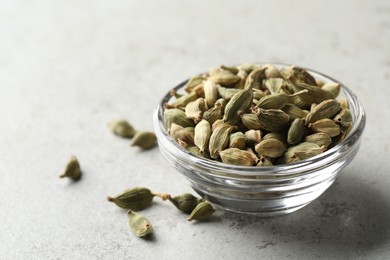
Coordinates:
(137,198)
(185,202)
(122,128)
(201,212)
(145,140)
(139,225)
(72,169)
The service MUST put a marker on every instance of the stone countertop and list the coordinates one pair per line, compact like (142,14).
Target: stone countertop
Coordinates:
(69,67)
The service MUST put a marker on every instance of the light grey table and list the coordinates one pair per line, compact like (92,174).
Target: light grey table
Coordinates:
(69,67)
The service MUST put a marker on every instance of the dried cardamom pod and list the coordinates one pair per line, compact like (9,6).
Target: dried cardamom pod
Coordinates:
(201,212)
(344,118)
(227,93)
(306,150)
(272,148)
(332,87)
(192,83)
(224,78)
(219,139)
(210,93)
(255,78)
(298,75)
(239,103)
(196,151)
(237,140)
(288,157)
(145,140)
(253,137)
(254,156)
(174,130)
(277,136)
(271,71)
(139,225)
(213,114)
(273,84)
(273,120)
(122,128)
(231,69)
(296,131)
(194,110)
(137,198)
(202,135)
(258,94)
(326,109)
(185,202)
(320,139)
(183,100)
(185,137)
(327,126)
(294,112)
(343,103)
(237,157)
(248,67)
(314,94)
(251,121)
(264,161)
(177,116)
(72,169)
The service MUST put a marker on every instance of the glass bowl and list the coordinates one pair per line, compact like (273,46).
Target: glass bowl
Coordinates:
(266,191)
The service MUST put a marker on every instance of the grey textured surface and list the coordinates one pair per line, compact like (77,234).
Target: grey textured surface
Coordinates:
(69,67)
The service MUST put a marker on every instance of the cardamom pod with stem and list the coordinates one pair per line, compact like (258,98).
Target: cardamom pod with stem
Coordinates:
(139,225)
(137,198)
(202,135)
(314,94)
(122,128)
(185,202)
(145,140)
(239,103)
(183,100)
(72,169)
(201,212)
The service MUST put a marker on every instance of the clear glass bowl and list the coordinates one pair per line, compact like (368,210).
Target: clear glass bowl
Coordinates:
(265,191)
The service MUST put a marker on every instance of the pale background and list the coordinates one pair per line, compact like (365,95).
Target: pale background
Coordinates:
(69,67)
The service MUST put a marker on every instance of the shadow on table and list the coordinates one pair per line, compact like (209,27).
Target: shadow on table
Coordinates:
(350,216)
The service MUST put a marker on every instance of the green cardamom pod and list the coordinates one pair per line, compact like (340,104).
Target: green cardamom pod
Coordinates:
(344,118)
(255,78)
(326,109)
(72,169)
(239,103)
(183,100)
(122,128)
(306,150)
(202,135)
(213,114)
(271,71)
(192,83)
(219,139)
(343,103)
(137,198)
(224,77)
(327,126)
(145,140)
(185,202)
(201,212)
(296,131)
(139,225)
(251,121)
(294,112)
(185,136)
(264,161)
(227,93)
(273,120)
(253,137)
(332,87)
(273,84)
(194,110)
(314,94)
(272,148)
(177,116)
(232,69)
(273,101)
(237,140)
(210,93)
(237,157)
(320,139)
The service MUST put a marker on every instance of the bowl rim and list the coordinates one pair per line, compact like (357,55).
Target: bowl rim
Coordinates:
(290,169)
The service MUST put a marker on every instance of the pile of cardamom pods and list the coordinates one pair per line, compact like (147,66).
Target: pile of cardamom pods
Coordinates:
(140,198)
(257,115)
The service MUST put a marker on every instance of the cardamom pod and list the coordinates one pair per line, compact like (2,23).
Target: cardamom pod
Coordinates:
(320,139)
(255,78)
(227,93)
(248,67)
(185,137)
(237,157)
(145,140)
(327,126)
(237,140)
(72,169)
(251,121)
(139,225)
(343,103)
(202,135)
(264,161)
(273,101)
(294,112)
(253,137)
(177,116)
(224,77)
(122,128)
(288,157)
(273,120)
(332,87)
(137,198)
(213,114)
(298,75)
(271,71)
(344,118)
(219,139)
(273,84)
(326,109)
(272,148)
(201,212)
(183,100)
(296,131)
(194,110)
(196,151)
(314,94)
(210,93)
(239,103)
(306,150)
(185,202)
(231,69)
